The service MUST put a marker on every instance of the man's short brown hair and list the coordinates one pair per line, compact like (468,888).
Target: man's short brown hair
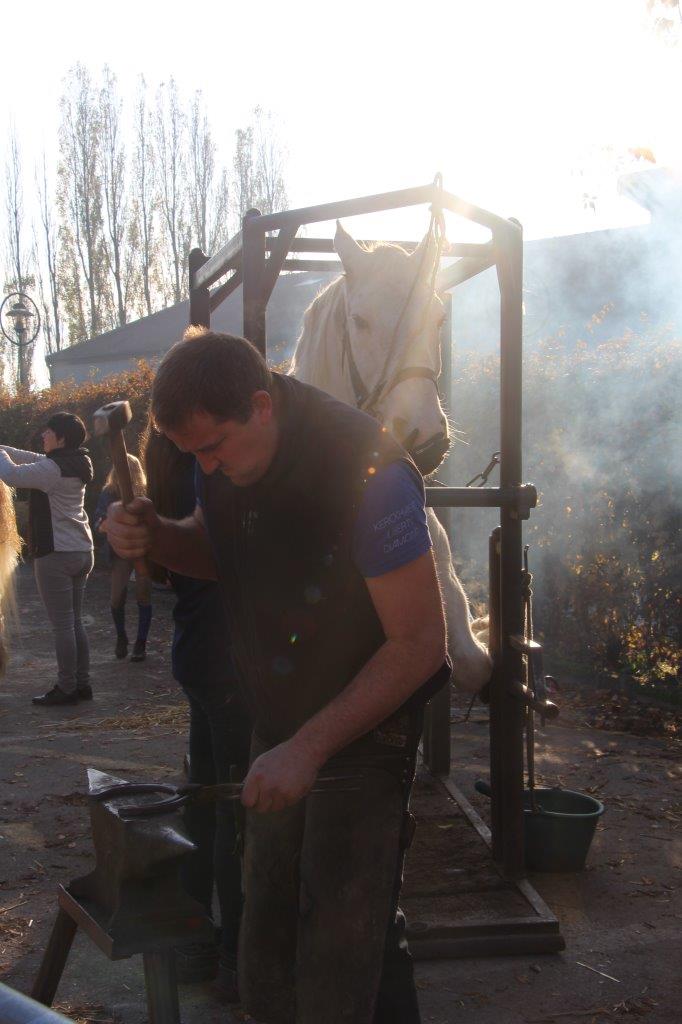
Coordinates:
(208,372)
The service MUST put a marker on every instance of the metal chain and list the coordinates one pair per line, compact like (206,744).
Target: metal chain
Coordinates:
(483,476)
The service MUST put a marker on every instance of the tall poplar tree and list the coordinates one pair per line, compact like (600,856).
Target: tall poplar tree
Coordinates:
(170,140)
(85,281)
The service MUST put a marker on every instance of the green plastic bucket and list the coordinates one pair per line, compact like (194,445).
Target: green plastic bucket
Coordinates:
(558,836)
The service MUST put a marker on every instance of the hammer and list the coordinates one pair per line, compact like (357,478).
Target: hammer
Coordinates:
(111,419)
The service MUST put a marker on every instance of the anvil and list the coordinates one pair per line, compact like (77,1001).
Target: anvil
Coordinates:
(134,892)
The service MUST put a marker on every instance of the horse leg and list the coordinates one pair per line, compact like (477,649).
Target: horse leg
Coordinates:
(471,665)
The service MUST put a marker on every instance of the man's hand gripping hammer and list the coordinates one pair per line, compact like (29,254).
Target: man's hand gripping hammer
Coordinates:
(111,419)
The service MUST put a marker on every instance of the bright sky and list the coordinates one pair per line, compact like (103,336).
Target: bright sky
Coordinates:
(508,100)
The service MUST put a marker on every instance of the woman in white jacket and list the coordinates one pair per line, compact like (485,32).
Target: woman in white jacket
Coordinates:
(60,542)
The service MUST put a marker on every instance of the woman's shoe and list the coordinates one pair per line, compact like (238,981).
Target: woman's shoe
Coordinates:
(56,696)
(84,691)
(121,649)
(139,651)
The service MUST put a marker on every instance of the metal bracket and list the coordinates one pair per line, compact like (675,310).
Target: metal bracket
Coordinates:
(546,709)
(535,694)
(524,498)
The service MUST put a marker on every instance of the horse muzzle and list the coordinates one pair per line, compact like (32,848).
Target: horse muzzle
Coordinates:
(429,455)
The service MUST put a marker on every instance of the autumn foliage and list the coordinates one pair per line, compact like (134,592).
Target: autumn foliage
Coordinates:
(23,414)
(602,445)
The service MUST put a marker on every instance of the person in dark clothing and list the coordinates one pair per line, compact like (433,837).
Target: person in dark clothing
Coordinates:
(121,569)
(60,543)
(335,662)
(219,731)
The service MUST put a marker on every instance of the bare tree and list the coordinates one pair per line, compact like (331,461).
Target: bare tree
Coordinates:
(113,187)
(207,196)
(18,257)
(243,184)
(258,167)
(80,204)
(52,324)
(170,144)
(269,163)
(143,221)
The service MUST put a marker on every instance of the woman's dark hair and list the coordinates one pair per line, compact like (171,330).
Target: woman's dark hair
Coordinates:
(170,474)
(68,428)
(208,372)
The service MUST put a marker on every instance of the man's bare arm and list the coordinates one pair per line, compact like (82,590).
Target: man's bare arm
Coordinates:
(136,531)
(409,605)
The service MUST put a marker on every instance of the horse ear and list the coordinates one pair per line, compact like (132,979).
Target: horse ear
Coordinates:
(350,253)
(425,253)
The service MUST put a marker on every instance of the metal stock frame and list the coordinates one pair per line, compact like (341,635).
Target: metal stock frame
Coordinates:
(254,258)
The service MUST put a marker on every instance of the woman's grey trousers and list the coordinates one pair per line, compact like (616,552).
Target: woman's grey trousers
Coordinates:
(61,577)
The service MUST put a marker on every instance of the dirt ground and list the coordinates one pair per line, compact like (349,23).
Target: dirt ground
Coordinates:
(620,917)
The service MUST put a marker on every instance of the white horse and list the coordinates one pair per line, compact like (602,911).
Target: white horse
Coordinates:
(371,339)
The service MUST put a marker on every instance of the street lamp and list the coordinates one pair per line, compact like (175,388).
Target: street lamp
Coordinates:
(20,312)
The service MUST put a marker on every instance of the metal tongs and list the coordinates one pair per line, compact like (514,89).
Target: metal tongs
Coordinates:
(194,792)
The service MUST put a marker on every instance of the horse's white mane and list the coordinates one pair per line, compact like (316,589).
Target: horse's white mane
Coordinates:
(316,359)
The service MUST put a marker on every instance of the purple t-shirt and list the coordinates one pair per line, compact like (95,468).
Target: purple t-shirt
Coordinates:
(390,529)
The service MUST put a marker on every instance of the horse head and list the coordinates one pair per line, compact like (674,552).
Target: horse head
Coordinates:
(372,339)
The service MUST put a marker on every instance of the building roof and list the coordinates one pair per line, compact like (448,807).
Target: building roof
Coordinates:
(153,335)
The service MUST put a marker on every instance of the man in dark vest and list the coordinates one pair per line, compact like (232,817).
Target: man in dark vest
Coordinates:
(312,519)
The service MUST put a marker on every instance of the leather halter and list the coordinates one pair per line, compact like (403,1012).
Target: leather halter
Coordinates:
(368,400)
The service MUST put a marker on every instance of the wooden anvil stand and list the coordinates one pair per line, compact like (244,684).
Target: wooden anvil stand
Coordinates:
(132,903)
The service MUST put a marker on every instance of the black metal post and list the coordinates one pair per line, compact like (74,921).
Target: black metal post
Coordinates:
(199,300)
(253,267)
(496,692)
(509,745)
(436,743)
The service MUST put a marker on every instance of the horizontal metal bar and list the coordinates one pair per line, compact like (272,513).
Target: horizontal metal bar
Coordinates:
(218,264)
(469,497)
(387,201)
(487,927)
(453,948)
(230,254)
(349,207)
(330,266)
(462,271)
(224,290)
(479,250)
(519,500)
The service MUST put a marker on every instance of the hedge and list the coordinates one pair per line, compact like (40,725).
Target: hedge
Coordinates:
(23,415)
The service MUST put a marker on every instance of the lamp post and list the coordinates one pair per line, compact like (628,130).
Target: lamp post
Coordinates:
(20,323)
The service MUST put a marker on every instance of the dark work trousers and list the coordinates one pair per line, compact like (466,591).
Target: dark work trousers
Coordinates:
(219,739)
(321,929)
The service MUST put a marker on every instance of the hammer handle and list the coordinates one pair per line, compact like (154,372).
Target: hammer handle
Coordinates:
(119,457)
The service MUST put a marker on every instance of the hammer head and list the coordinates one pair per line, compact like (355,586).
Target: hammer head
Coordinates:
(112,417)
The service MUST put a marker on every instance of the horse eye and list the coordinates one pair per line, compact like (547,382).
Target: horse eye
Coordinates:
(360,322)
